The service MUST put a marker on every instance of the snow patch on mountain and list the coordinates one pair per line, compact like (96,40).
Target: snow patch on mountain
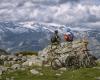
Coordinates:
(20,44)
(80,29)
(51,27)
(22,27)
(17,30)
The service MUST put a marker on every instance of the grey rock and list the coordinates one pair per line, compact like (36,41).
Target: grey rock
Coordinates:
(22,69)
(57,74)
(4,69)
(97,78)
(34,72)
(1,72)
(96,68)
(24,58)
(16,66)
(25,64)
(63,69)
(12,62)
(3,57)
(10,57)
(41,74)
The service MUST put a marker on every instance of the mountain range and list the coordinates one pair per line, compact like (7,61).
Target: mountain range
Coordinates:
(25,36)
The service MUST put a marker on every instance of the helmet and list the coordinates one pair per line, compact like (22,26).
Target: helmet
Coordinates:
(56,31)
(68,30)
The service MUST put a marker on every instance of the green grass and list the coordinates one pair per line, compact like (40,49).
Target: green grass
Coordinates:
(49,74)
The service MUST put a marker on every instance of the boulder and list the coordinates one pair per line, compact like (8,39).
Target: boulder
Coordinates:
(25,64)
(57,74)
(3,69)
(3,57)
(1,72)
(32,60)
(34,72)
(10,57)
(24,58)
(63,69)
(41,74)
(97,78)
(16,66)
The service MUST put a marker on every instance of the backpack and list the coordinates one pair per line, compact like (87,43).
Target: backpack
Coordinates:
(68,37)
(55,39)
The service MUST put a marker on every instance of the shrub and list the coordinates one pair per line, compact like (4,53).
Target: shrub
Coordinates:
(25,53)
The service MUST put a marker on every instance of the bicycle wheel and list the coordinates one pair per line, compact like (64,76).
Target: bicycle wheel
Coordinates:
(68,62)
(71,62)
(56,64)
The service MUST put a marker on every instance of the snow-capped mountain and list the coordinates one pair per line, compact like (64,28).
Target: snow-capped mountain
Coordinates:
(24,36)
(21,36)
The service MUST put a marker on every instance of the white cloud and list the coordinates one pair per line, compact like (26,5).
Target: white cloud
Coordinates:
(66,13)
(95,10)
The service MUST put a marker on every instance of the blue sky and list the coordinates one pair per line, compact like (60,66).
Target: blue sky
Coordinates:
(52,11)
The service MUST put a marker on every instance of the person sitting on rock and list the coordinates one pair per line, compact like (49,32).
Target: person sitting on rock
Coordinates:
(68,37)
(55,39)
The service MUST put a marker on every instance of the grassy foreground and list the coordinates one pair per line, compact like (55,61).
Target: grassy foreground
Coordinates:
(49,74)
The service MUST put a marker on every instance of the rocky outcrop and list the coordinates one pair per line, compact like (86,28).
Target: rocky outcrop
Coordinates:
(11,63)
(75,54)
